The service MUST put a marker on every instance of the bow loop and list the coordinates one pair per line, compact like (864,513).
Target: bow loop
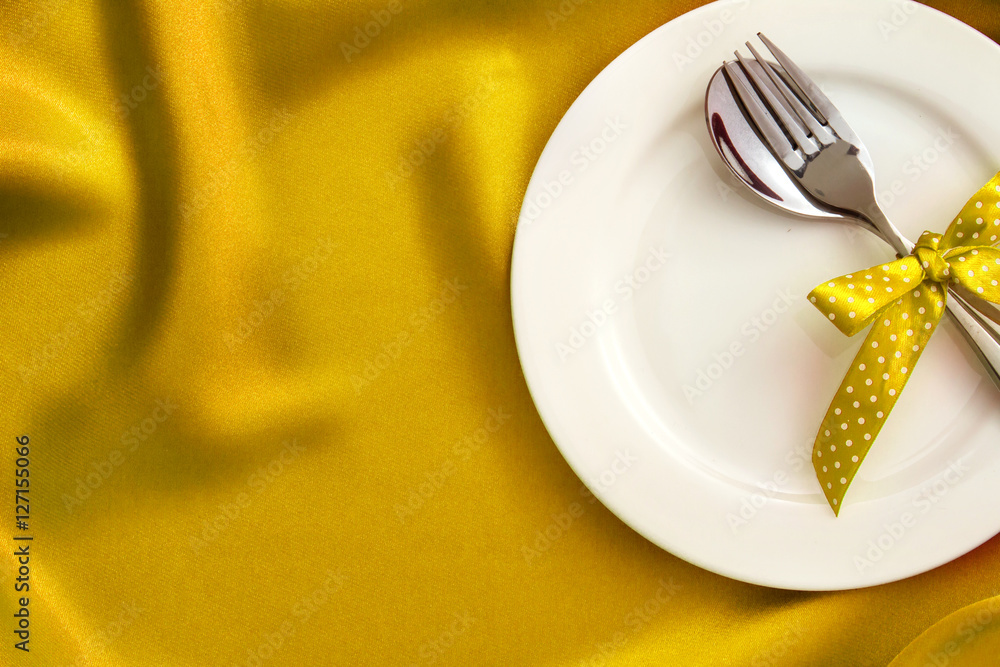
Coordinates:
(977,270)
(977,225)
(903,302)
(854,301)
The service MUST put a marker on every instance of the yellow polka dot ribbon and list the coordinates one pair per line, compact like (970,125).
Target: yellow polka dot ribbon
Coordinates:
(902,301)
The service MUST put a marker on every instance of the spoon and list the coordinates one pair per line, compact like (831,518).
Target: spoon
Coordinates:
(755,166)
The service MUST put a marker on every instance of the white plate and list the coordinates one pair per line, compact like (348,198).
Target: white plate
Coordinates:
(723,479)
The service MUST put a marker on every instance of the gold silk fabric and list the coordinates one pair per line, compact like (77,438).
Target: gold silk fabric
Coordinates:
(254,293)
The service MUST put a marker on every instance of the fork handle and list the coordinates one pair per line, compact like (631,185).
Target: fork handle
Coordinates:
(982,333)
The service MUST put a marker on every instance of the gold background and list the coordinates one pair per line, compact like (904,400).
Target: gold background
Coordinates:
(270,378)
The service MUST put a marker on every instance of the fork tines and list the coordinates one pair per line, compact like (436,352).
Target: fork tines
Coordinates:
(795,117)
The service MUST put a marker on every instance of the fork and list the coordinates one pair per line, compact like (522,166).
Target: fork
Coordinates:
(818,148)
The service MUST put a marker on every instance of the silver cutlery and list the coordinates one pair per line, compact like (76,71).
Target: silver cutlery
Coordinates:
(791,146)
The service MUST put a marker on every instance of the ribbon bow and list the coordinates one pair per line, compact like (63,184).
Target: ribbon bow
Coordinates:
(903,301)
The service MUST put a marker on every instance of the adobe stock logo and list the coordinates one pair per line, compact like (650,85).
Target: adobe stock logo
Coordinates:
(100,471)
(363,36)
(753,503)
(561,522)
(929,495)
(131,100)
(624,290)
(975,622)
(750,332)
(713,29)
(901,13)
(582,158)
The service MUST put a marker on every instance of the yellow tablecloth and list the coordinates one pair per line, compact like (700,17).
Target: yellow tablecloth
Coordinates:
(256,327)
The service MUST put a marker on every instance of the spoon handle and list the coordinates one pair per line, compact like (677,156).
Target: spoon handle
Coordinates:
(982,333)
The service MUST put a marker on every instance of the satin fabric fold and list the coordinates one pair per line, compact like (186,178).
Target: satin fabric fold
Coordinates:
(969,637)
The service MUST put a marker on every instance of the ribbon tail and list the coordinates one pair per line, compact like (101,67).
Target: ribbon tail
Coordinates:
(871,387)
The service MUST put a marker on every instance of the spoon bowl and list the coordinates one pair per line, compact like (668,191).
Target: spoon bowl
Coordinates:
(749,160)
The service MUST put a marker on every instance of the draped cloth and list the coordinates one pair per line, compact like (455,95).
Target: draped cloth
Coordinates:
(256,328)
